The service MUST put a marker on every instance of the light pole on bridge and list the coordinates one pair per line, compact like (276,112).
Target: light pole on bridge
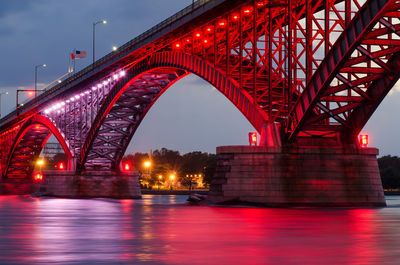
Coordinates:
(94,35)
(36,69)
(2,93)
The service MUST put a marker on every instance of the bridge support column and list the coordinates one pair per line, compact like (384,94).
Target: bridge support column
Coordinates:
(91,184)
(17,186)
(71,164)
(294,176)
(271,135)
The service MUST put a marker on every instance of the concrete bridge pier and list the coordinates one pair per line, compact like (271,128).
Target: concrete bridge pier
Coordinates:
(297,176)
(91,184)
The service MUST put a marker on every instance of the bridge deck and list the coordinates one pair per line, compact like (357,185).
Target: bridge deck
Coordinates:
(130,51)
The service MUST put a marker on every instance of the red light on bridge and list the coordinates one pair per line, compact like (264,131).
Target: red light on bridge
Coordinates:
(38,177)
(61,166)
(222,23)
(247,11)
(253,138)
(198,35)
(177,45)
(235,17)
(209,29)
(205,41)
(127,167)
(363,140)
(30,93)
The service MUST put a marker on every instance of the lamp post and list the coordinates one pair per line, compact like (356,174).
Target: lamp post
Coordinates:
(36,68)
(171,177)
(30,92)
(2,93)
(159,181)
(94,35)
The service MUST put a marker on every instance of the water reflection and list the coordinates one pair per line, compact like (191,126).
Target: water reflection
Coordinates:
(164,230)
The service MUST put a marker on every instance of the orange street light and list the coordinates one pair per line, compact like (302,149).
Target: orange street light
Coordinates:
(40,162)
(147,164)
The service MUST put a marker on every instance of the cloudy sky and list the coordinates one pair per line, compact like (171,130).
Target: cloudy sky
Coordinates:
(191,115)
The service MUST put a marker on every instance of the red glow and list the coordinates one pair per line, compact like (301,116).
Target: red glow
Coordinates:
(198,35)
(187,40)
(235,17)
(253,138)
(205,41)
(222,23)
(208,29)
(127,167)
(61,166)
(30,93)
(38,177)
(363,140)
(177,45)
(247,10)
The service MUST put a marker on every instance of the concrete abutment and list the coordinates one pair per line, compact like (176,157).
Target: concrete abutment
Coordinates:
(68,184)
(313,176)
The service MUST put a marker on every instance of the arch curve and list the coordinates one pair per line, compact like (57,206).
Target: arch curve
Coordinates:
(131,98)
(28,144)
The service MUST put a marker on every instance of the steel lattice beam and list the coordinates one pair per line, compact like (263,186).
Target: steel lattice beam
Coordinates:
(320,68)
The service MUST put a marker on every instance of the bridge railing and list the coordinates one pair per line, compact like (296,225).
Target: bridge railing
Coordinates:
(125,47)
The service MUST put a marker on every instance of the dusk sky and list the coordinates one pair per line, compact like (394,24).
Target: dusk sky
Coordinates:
(190,116)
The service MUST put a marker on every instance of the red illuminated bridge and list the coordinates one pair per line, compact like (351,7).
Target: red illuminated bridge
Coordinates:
(304,73)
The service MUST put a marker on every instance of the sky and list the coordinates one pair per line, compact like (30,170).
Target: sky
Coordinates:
(190,116)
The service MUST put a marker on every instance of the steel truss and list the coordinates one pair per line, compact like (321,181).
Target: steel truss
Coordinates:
(319,68)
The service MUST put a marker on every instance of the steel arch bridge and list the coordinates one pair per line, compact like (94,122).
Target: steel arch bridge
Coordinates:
(318,68)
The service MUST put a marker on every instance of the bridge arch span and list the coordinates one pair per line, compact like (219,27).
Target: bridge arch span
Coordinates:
(28,144)
(129,101)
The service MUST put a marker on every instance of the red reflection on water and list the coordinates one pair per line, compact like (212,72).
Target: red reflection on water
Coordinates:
(162,230)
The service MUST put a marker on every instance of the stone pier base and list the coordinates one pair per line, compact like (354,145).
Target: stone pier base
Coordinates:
(90,185)
(17,187)
(281,177)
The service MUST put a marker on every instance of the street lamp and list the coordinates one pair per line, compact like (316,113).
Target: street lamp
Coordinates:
(114,48)
(147,164)
(2,93)
(30,93)
(36,68)
(172,177)
(159,181)
(94,34)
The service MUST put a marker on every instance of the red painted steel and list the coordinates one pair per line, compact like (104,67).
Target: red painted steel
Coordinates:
(318,68)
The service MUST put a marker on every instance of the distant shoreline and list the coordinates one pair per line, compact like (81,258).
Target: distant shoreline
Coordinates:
(205,192)
(174,192)
(392,192)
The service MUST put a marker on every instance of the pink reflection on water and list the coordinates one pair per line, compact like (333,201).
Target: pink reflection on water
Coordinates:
(163,230)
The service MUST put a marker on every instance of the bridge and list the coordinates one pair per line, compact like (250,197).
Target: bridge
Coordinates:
(306,74)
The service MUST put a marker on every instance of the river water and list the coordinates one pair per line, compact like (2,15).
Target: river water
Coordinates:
(165,230)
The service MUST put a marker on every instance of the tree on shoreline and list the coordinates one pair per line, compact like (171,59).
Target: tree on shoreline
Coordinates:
(165,162)
(389,167)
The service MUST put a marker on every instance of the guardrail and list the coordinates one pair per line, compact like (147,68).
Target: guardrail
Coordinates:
(189,9)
